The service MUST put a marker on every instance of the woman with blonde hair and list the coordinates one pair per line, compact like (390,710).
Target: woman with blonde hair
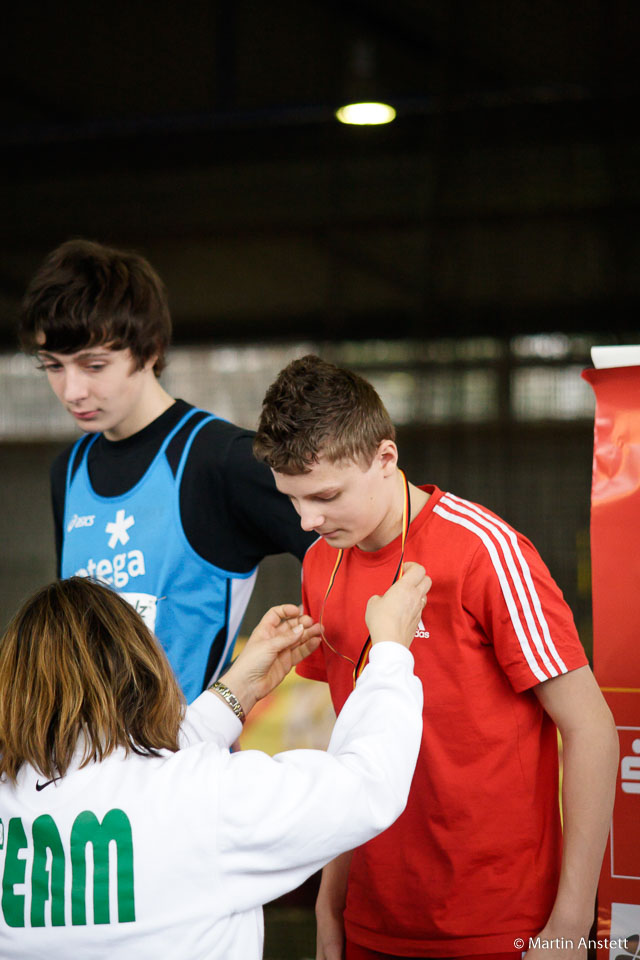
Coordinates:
(128,829)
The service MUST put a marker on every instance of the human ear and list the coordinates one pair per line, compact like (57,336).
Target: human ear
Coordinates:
(387,456)
(150,363)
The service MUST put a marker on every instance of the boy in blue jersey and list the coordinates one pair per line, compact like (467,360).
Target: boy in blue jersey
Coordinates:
(163,502)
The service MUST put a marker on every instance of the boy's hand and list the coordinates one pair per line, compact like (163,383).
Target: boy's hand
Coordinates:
(395,615)
(282,639)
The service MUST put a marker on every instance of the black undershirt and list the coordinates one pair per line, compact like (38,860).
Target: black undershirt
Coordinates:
(231,511)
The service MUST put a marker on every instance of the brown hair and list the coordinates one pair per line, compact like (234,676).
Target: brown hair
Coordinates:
(315,409)
(78,667)
(85,294)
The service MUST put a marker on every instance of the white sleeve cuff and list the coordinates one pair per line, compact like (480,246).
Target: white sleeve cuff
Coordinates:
(209,719)
(387,651)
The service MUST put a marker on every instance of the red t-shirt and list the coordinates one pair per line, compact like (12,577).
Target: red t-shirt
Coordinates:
(473,862)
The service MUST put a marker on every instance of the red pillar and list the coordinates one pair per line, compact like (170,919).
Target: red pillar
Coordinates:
(615,559)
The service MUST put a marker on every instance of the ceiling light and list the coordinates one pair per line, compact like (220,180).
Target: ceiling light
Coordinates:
(366,114)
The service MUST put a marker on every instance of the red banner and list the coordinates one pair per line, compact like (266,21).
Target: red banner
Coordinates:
(615,559)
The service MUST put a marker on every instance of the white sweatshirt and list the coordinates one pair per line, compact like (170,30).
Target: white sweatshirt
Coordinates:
(140,857)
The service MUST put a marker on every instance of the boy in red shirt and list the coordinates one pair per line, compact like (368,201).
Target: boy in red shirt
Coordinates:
(477,865)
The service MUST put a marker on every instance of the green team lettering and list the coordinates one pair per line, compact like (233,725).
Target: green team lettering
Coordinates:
(50,862)
(45,883)
(14,872)
(88,829)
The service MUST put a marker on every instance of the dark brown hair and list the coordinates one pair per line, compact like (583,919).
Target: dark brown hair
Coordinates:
(314,409)
(85,294)
(78,667)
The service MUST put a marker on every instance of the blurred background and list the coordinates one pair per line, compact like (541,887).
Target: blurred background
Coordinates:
(464,257)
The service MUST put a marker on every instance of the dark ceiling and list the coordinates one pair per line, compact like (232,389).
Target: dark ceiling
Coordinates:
(504,198)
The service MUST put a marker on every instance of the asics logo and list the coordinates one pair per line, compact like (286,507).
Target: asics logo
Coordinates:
(77,521)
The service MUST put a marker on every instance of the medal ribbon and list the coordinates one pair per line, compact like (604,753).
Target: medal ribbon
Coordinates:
(364,653)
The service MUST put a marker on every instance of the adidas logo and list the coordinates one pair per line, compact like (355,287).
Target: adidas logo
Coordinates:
(421,632)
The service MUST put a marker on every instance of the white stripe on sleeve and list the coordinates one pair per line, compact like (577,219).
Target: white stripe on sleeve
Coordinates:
(485,537)
(532,592)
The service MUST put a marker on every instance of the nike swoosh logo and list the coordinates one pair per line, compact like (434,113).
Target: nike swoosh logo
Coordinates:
(41,786)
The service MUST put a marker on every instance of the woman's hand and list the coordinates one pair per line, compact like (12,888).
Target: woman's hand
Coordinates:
(395,615)
(282,639)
